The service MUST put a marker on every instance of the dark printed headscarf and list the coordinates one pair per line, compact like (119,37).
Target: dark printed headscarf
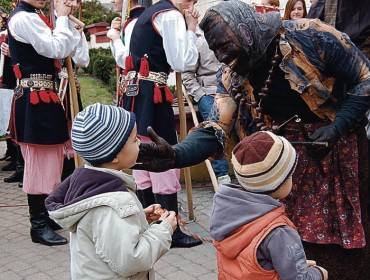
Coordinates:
(254,30)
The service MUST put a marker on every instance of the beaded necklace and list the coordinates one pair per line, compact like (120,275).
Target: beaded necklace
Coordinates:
(237,92)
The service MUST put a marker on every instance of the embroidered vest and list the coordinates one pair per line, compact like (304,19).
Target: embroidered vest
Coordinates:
(145,40)
(30,62)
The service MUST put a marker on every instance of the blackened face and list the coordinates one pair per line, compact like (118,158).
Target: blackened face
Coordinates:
(224,43)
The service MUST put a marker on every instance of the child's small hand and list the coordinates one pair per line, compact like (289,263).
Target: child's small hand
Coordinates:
(170,218)
(324,272)
(311,263)
(151,212)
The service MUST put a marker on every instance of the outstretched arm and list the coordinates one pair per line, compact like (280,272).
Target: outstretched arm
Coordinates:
(160,156)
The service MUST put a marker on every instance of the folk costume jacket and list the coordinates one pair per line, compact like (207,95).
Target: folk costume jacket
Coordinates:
(110,237)
(159,42)
(38,115)
(120,49)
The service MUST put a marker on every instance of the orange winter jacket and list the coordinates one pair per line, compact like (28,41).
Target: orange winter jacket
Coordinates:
(242,245)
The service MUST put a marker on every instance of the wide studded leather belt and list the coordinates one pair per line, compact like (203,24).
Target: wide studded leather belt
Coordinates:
(36,83)
(156,77)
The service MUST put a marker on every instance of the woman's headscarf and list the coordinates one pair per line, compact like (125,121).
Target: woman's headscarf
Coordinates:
(254,30)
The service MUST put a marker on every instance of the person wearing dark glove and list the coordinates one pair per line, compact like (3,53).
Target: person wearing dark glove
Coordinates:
(306,68)
(159,155)
(329,134)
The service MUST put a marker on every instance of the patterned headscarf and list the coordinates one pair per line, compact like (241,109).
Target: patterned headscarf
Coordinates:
(254,30)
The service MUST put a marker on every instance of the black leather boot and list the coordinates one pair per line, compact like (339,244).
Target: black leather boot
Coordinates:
(17,176)
(9,150)
(40,230)
(10,166)
(146,197)
(68,168)
(179,239)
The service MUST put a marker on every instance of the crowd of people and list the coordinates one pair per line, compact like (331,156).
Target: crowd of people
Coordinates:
(294,88)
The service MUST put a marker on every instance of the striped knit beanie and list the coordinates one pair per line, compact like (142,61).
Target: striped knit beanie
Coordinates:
(263,161)
(99,132)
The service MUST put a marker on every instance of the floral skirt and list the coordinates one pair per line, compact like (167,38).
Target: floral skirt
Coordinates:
(330,211)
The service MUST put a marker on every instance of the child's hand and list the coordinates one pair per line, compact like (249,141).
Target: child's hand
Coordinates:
(170,218)
(152,212)
(324,272)
(311,263)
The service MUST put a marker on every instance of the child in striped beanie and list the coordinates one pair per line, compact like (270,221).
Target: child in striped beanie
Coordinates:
(252,233)
(98,204)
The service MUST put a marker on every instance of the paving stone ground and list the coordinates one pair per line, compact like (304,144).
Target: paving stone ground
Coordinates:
(22,259)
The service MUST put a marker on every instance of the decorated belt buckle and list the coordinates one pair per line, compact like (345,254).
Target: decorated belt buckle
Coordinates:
(18,91)
(132,90)
(30,83)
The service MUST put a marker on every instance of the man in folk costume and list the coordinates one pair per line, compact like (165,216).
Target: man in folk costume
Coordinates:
(39,121)
(121,36)
(7,84)
(64,91)
(159,42)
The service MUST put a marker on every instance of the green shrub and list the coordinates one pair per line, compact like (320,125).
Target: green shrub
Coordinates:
(102,65)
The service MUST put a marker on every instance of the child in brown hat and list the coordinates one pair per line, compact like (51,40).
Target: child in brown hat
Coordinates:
(253,236)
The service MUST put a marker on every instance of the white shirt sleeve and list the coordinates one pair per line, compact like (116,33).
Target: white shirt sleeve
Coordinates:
(179,44)
(30,29)
(119,50)
(80,55)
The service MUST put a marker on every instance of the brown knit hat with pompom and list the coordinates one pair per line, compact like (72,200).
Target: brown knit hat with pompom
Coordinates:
(263,161)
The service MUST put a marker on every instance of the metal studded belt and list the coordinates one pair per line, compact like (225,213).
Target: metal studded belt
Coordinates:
(33,83)
(156,77)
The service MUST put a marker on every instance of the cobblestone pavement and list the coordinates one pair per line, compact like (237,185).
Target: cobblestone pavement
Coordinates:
(22,259)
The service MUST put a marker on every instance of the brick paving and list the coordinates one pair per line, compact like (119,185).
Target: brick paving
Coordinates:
(20,258)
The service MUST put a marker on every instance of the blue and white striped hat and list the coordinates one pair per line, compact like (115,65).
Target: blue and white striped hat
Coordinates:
(99,132)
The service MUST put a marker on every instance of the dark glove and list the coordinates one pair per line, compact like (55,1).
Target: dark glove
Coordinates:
(157,156)
(329,134)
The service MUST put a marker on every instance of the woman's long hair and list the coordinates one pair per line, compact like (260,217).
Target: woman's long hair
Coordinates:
(289,7)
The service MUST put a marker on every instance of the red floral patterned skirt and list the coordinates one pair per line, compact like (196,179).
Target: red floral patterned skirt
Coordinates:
(326,210)
(330,212)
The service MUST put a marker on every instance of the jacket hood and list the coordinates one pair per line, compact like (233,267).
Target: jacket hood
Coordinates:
(234,207)
(88,188)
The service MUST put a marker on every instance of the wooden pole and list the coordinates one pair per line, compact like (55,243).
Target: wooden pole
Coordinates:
(183,133)
(207,162)
(73,101)
(77,21)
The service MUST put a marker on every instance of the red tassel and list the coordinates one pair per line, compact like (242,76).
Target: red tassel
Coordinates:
(17,71)
(54,97)
(169,95)
(57,65)
(129,63)
(144,66)
(44,96)
(34,98)
(157,95)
